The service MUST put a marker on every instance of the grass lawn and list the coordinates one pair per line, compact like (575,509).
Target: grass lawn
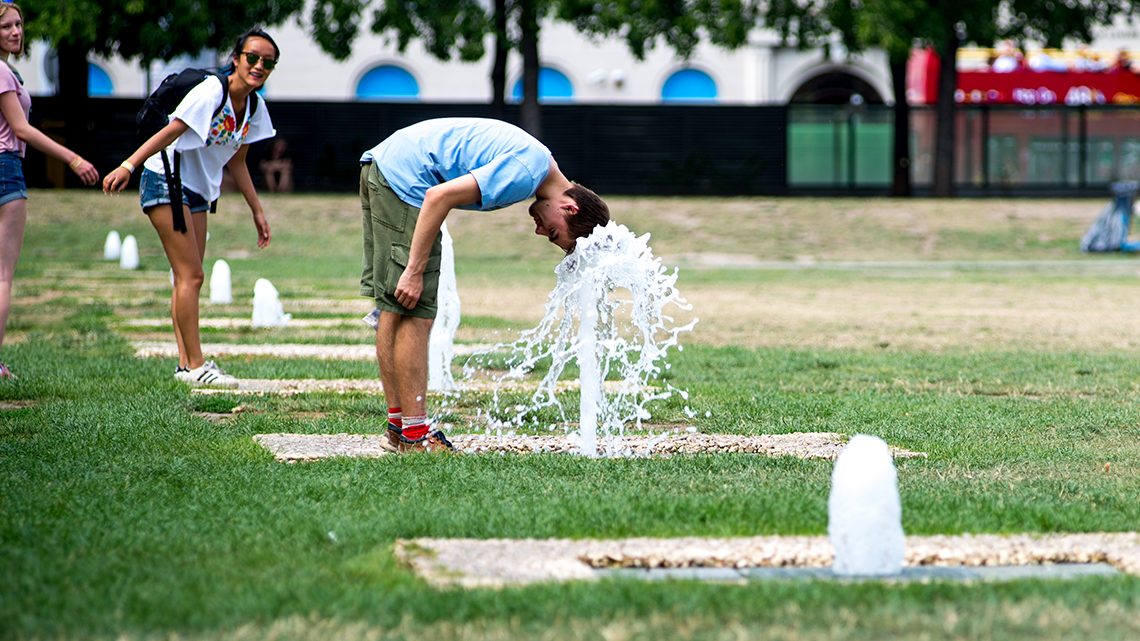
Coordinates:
(973,331)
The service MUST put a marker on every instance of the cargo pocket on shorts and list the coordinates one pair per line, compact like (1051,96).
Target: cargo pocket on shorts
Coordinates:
(398,261)
(387,208)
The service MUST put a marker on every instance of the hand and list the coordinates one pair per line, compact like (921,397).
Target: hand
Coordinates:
(87,173)
(262,229)
(409,289)
(116,180)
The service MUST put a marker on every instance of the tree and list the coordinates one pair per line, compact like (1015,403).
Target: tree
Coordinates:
(447,29)
(145,30)
(680,24)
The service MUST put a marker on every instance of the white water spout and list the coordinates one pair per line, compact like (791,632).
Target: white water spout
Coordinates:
(864,515)
(267,308)
(113,246)
(220,289)
(129,256)
(589,376)
(441,343)
(610,311)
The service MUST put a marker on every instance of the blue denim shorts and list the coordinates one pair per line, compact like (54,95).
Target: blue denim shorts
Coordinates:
(153,191)
(11,177)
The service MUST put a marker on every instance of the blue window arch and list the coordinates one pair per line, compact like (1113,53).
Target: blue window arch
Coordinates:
(553,86)
(388,81)
(689,85)
(98,82)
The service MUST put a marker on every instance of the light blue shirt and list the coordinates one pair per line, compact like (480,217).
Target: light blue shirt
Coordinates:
(508,163)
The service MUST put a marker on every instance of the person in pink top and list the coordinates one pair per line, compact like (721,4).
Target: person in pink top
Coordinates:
(15,135)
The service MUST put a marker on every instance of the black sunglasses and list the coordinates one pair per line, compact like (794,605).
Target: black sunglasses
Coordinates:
(252,58)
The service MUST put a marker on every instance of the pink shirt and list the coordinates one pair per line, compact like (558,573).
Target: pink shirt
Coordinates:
(9,82)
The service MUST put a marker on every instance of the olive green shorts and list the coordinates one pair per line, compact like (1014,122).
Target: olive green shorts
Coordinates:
(388,227)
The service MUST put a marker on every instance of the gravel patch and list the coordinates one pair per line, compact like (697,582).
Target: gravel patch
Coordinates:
(363,352)
(289,387)
(472,563)
(291,448)
(235,323)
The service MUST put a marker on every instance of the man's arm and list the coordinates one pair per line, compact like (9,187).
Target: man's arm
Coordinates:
(438,203)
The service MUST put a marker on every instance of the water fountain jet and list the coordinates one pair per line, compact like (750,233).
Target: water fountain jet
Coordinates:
(590,320)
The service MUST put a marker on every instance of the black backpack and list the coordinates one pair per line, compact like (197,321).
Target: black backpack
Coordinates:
(155,114)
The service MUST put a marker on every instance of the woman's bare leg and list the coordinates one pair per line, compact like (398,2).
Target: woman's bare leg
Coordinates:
(184,251)
(13,217)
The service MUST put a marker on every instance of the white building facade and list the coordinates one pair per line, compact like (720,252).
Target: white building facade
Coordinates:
(575,69)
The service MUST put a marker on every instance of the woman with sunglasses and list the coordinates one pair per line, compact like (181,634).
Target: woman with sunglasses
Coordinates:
(207,143)
(15,135)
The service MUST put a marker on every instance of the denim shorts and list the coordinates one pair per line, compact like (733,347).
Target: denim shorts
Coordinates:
(11,177)
(153,191)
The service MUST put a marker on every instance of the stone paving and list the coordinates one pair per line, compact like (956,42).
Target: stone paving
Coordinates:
(358,352)
(473,563)
(291,448)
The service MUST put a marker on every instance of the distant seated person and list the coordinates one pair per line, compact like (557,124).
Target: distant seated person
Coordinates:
(1042,61)
(1086,61)
(277,168)
(1009,58)
(1123,61)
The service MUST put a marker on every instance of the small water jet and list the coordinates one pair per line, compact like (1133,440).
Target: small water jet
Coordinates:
(864,513)
(113,246)
(129,255)
(441,342)
(220,290)
(607,314)
(267,308)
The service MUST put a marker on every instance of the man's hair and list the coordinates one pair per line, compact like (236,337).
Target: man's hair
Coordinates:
(592,211)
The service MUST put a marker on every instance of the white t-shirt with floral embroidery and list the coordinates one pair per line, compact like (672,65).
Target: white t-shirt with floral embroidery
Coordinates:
(211,141)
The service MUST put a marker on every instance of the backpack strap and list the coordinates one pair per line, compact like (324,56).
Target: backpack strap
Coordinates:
(225,91)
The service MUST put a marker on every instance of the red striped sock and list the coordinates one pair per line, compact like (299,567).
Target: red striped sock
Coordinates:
(415,427)
(396,417)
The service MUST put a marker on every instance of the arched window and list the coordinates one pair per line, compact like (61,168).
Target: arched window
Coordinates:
(388,81)
(98,82)
(553,86)
(689,85)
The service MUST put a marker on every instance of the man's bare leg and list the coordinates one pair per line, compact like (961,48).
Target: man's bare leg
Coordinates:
(411,366)
(386,356)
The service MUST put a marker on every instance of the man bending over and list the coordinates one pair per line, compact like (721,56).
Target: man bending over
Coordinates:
(408,185)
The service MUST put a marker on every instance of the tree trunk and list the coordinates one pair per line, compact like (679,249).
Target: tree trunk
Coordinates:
(499,69)
(529,116)
(72,72)
(944,142)
(72,85)
(901,185)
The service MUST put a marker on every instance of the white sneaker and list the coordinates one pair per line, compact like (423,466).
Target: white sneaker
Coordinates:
(208,375)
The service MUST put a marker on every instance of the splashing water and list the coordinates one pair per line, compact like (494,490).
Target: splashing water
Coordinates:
(441,343)
(607,312)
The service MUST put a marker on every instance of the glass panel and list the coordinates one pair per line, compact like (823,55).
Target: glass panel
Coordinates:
(1004,168)
(817,146)
(922,128)
(874,147)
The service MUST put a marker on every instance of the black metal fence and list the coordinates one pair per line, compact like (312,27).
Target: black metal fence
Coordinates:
(668,149)
(611,149)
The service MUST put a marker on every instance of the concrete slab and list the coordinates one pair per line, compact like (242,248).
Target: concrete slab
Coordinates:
(920,574)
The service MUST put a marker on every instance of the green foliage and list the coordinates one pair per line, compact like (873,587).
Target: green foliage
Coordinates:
(897,25)
(151,30)
(681,25)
